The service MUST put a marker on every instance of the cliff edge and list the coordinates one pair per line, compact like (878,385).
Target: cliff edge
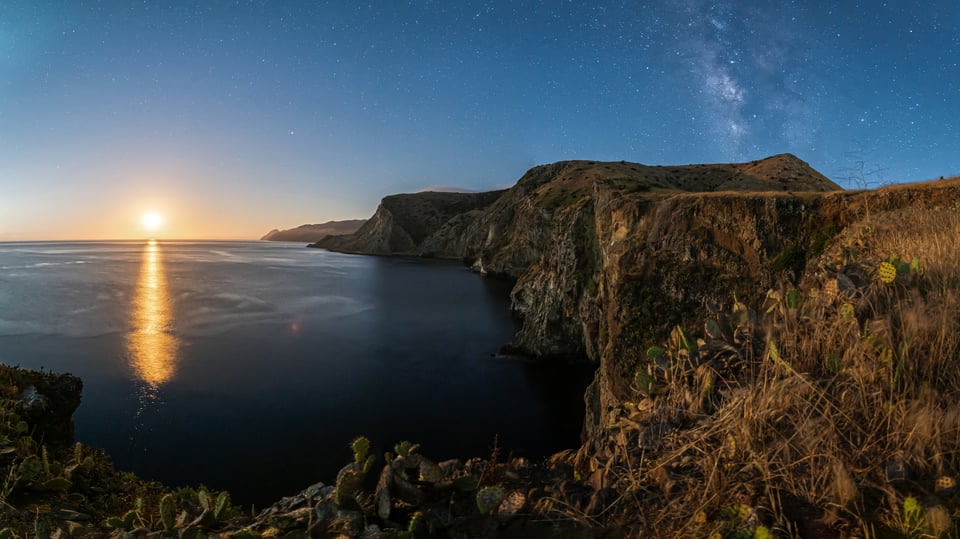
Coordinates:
(408,224)
(543,232)
(312,233)
(770,348)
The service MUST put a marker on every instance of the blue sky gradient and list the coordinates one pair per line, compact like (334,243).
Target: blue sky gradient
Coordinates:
(232,118)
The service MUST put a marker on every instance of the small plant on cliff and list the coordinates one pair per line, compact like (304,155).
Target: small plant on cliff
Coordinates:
(911,519)
(130,520)
(914,521)
(360,447)
(489,498)
(348,493)
(216,508)
(405,448)
(168,512)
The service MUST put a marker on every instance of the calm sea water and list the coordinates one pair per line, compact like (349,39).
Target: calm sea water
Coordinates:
(250,366)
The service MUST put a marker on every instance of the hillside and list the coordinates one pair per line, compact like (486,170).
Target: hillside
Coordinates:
(404,224)
(312,233)
(543,233)
(456,225)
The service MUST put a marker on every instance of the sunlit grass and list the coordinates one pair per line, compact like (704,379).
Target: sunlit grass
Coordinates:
(830,404)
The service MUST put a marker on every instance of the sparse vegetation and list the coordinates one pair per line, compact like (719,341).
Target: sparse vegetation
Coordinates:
(628,185)
(74,491)
(831,407)
(792,257)
(821,238)
(46,481)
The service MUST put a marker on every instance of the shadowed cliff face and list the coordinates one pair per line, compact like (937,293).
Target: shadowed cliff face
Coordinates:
(547,232)
(409,224)
(45,400)
(311,233)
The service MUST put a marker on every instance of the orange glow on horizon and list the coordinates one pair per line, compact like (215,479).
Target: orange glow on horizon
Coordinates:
(182,219)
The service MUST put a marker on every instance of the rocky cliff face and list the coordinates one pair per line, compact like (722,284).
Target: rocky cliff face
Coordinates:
(44,400)
(608,257)
(549,233)
(312,233)
(545,233)
(408,224)
(661,261)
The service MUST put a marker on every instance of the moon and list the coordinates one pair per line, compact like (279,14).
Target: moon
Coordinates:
(152,221)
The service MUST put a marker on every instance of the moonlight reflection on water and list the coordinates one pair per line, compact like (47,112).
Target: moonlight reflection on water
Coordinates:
(150,343)
(261,361)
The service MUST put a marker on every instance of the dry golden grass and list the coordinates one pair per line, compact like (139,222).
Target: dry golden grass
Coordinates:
(832,410)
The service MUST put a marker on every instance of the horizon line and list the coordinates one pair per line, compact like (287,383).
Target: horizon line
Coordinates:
(128,240)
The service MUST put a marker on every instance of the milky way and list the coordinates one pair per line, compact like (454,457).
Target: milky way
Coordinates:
(757,88)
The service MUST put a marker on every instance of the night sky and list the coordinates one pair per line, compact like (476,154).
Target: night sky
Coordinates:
(234,118)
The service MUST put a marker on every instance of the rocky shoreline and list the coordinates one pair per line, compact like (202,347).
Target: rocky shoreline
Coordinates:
(54,487)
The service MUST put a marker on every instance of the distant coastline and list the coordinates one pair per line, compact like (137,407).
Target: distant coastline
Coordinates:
(312,233)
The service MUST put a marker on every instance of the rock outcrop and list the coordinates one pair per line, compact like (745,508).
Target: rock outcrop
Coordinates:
(312,233)
(44,400)
(543,233)
(57,488)
(608,257)
(419,224)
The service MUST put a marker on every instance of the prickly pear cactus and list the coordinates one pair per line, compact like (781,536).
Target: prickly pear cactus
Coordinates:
(349,482)
(168,512)
(887,272)
(360,446)
(219,508)
(489,498)
(204,498)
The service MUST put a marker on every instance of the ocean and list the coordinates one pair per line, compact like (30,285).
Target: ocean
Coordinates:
(250,366)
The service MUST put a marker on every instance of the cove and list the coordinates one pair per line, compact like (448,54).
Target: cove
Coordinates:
(249,366)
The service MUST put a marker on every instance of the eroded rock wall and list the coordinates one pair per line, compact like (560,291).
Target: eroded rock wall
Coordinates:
(663,261)
(406,225)
(316,232)
(609,257)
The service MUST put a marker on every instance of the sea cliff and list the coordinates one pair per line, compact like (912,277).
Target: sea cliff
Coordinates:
(563,229)
(315,232)
(419,224)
